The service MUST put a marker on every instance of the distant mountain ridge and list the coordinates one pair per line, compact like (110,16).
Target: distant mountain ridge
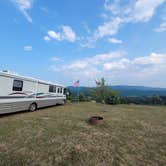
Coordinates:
(125,90)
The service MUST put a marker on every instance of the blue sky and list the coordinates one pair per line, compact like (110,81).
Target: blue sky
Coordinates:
(63,41)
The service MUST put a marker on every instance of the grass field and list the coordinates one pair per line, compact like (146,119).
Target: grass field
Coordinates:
(131,135)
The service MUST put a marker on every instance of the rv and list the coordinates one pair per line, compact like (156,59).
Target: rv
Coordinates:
(19,93)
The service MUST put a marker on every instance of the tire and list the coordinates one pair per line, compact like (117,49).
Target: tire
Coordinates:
(33,107)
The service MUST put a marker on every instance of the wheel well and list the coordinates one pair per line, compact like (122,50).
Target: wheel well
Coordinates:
(34,103)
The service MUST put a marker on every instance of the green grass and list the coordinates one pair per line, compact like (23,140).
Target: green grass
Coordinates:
(131,135)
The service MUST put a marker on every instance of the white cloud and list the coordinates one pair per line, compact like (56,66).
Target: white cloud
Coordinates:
(144,70)
(133,11)
(104,16)
(141,67)
(87,67)
(65,33)
(88,42)
(27,48)
(143,10)
(116,65)
(152,59)
(161,28)
(78,65)
(108,28)
(147,70)
(52,34)
(47,38)
(95,60)
(68,34)
(86,27)
(116,13)
(24,6)
(54,68)
(113,6)
(55,59)
(115,41)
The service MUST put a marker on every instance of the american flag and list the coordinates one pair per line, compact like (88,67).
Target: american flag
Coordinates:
(76,84)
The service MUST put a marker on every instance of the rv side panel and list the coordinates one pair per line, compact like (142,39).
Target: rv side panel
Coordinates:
(6,84)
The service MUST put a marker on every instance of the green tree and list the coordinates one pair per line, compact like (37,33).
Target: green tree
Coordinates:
(68,94)
(105,94)
(82,97)
(156,100)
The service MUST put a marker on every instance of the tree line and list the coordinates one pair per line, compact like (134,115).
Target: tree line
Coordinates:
(105,94)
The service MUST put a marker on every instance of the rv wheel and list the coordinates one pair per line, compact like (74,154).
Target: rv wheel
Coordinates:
(32,107)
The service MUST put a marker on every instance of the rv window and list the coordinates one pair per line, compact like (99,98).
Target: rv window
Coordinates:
(17,85)
(51,88)
(54,89)
(58,90)
(64,91)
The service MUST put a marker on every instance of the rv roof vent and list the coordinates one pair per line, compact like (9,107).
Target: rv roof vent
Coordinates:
(9,72)
(5,71)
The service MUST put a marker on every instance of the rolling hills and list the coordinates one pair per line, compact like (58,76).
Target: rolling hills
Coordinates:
(125,90)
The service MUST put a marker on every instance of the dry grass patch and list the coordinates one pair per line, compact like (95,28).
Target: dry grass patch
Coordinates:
(132,135)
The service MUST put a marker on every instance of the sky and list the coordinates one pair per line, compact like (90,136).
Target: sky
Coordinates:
(63,41)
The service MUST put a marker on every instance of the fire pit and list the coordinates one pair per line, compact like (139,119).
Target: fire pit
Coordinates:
(96,120)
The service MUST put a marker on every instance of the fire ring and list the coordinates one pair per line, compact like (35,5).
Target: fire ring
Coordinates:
(96,120)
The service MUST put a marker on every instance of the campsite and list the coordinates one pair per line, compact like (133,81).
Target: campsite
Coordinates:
(61,135)
(83,83)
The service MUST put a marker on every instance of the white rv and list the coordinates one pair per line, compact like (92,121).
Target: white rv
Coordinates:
(18,93)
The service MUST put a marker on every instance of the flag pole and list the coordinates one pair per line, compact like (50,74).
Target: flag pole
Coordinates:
(78,93)
(76,85)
